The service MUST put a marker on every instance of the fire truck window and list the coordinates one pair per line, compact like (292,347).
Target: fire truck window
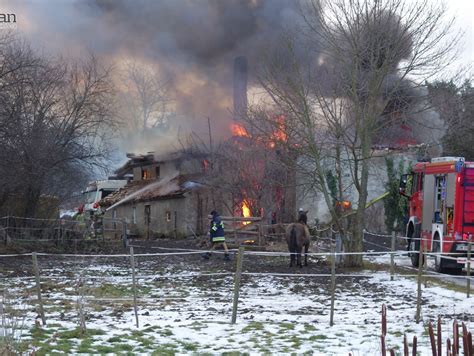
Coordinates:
(440,196)
(106,193)
(414,183)
(422,180)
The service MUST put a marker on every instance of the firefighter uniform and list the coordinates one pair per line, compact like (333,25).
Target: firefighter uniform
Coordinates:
(217,229)
(217,236)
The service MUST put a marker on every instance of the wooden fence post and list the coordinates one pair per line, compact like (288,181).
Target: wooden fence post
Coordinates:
(260,240)
(392,256)
(6,230)
(38,287)
(439,338)
(124,233)
(82,317)
(238,275)
(405,345)
(134,285)
(333,285)
(468,267)
(418,296)
(455,338)
(432,339)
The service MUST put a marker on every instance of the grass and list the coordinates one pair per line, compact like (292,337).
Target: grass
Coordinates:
(309,327)
(165,349)
(115,291)
(318,337)
(287,326)
(166,332)
(189,346)
(252,326)
(52,340)
(77,333)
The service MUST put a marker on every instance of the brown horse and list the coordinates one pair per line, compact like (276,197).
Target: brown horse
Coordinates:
(297,236)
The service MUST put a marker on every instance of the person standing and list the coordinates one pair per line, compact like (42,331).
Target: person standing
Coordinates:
(217,235)
(302,216)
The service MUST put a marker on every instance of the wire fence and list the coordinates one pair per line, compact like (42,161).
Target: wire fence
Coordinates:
(135,281)
(61,231)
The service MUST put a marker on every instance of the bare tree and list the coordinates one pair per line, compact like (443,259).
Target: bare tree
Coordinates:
(455,104)
(55,122)
(146,100)
(366,52)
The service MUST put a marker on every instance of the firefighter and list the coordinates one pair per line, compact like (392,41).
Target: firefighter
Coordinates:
(80,219)
(216,232)
(302,216)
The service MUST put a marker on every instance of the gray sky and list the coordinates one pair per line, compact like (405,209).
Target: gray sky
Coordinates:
(463,10)
(32,13)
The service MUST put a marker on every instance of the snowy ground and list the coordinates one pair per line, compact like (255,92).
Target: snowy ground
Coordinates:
(180,312)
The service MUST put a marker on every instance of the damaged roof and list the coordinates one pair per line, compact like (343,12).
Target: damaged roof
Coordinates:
(137,160)
(149,190)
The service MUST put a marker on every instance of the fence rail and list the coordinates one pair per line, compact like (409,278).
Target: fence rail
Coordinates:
(136,278)
(15,229)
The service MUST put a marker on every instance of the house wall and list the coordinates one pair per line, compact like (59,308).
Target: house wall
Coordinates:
(167,217)
(188,215)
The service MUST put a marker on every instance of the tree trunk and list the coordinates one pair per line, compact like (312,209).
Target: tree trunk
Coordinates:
(31,201)
(356,241)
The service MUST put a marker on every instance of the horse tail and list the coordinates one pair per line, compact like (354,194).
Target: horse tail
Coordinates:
(293,244)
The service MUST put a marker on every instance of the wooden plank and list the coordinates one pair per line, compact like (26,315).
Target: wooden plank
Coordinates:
(243,232)
(237,218)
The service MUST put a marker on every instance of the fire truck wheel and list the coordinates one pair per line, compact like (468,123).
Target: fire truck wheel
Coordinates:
(455,271)
(414,247)
(439,261)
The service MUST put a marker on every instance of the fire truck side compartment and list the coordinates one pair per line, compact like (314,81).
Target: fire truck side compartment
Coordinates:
(428,203)
(450,190)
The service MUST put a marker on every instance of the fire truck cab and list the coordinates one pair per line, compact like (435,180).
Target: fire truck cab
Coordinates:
(98,190)
(441,210)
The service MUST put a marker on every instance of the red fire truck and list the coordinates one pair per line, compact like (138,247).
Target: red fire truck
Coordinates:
(441,210)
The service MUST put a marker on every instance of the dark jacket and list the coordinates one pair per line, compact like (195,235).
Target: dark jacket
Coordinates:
(217,227)
(302,218)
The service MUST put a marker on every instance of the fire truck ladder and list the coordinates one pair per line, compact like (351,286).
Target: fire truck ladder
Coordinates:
(468,201)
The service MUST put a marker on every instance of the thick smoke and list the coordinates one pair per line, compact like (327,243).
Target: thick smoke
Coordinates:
(191,42)
(194,43)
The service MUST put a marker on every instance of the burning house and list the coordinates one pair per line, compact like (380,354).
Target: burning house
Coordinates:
(262,185)
(167,196)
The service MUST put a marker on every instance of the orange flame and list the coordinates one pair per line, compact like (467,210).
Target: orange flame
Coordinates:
(279,134)
(239,130)
(245,211)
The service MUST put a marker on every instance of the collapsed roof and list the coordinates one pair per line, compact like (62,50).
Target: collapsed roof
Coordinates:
(150,190)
